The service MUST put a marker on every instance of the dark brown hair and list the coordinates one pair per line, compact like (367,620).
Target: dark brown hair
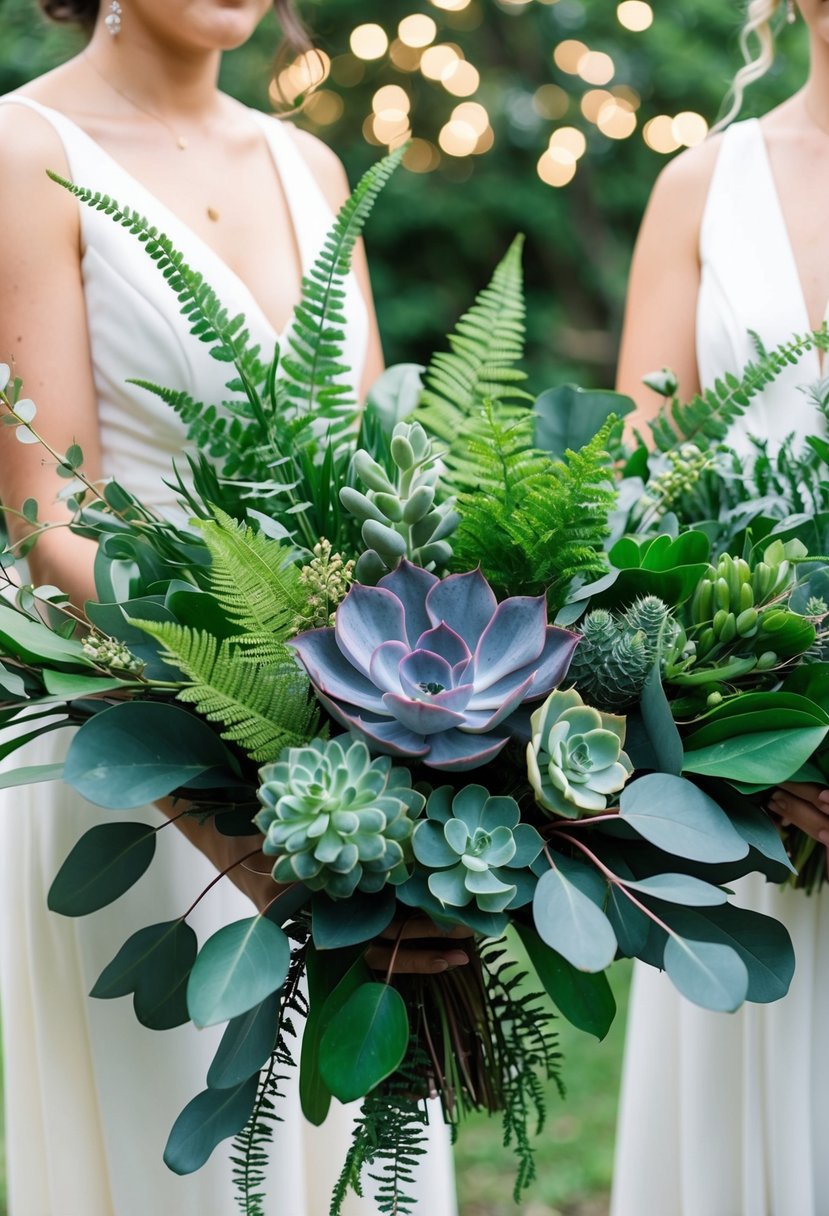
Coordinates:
(85,13)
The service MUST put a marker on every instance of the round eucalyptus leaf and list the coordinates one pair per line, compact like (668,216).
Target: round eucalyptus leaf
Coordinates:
(153,965)
(680,889)
(571,923)
(236,969)
(106,862)
(365,1043)
(675,815)
(136,752)
(212,1116)
(708,973)
(246,1045)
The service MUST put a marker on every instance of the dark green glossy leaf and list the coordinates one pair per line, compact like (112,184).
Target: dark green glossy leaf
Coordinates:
(332,979)
(136,752)
(246,1044)
(213,1115)
(709,974)
(35,643)
(585,999)
(568,417)
(659,724)
(571,923)
(236,969)
(107,860)
(153,965)
(768,757)
(366,1042)
(678,817)
(347,922)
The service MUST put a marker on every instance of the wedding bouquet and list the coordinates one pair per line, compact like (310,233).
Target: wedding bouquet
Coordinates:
(358,654)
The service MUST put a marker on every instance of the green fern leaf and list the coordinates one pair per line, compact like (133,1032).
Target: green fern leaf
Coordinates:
(261,708)
(487,344)
(254,583)
(314,372)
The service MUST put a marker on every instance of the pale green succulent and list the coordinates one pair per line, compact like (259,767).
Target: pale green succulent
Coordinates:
(476,849)
(337,820)
(400,514)
(575,758)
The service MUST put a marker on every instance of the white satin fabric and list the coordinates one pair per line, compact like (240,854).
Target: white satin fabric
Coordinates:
(726,1115)
(90,1094)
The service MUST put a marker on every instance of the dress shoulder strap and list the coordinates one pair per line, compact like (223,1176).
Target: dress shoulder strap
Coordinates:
(737,184)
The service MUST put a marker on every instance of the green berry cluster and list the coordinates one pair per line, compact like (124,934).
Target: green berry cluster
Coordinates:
(687,465)
(112,655)
(325,580)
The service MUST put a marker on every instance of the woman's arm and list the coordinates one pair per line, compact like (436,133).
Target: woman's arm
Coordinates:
(660,312)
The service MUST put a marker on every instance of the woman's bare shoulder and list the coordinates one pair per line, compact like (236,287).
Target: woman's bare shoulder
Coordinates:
(688,176)
(31,146)
(326,166)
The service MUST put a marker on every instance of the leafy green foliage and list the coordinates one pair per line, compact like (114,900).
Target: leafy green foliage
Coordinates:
(487,343)
(255,584)
(262,707)
(533,523)
(706,419)
(314,372)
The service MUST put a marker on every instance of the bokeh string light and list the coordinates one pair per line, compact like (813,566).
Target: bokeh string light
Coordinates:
(587,107)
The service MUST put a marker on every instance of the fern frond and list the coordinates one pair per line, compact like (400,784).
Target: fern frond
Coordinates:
(209,320)
(487,344)
(313,374)
(533,523)
(261,708)
(705,421)
(254,583)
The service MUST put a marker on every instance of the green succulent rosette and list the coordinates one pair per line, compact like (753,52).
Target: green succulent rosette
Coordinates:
(476,849)
(337,820)
(575,758)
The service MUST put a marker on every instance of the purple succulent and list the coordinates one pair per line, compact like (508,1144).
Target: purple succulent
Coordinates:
(429,668)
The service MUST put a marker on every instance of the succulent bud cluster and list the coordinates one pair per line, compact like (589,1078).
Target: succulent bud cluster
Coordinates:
(112,655)
(735,602)
(399,510)
(326,580)
(616,653)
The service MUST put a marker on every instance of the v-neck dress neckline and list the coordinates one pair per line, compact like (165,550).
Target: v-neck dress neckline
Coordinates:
(750,291)
(170,222)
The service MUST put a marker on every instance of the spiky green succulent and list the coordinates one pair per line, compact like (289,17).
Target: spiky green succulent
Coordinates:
(399,511)
(477,849)
(337,820)
(575,759)
(617,652)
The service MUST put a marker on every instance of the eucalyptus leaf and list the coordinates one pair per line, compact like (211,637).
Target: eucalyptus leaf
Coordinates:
(67,685)
(212,1116)
(630,924)
(237,967)
(35,643)
(339,923)
(675,815)
(680,889)
(246,1044)
(137,752)
(153,965)
(585,999)
(365,1043)
(571,923)
(659,724)
(707,973)
(106,861)
(31,775)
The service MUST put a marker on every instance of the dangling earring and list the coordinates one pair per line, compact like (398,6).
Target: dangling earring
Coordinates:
(113,18)
(791,12)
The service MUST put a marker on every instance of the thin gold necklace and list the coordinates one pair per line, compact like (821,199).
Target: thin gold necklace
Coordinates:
(179,139)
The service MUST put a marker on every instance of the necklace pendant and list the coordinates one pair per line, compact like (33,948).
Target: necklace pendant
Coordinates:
(213,214)
(181,143)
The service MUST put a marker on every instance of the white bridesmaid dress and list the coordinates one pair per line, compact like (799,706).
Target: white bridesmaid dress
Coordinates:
(727,1115)
(90,1094)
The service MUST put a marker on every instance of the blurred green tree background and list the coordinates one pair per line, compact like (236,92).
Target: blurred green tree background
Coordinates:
(614,76)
